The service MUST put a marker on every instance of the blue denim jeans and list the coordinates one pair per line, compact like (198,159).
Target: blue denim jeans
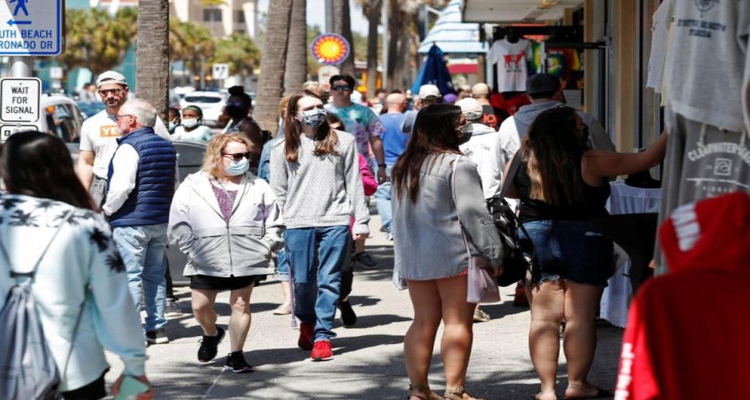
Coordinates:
(142,249)
(383,201)
(282,266)
(316,256)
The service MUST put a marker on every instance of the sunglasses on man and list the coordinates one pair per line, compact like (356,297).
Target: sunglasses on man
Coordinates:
(238,156)
(345,88)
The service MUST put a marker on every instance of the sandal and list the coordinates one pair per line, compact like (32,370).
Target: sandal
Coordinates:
(458,394)
(423,393)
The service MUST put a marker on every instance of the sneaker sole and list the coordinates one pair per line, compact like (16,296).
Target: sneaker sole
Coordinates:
(173,315)
(157,341)
(242,371)
(322,359)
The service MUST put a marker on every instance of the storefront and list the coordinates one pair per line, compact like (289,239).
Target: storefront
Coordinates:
(601,48)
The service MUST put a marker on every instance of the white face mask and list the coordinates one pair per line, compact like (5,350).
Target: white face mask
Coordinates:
(237,167)
(190,122)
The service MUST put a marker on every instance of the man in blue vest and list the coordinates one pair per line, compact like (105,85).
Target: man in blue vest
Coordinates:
(140,186)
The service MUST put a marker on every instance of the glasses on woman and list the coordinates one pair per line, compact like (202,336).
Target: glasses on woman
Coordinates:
(238,156)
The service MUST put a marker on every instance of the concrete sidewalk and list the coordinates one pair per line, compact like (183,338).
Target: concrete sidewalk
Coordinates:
(368,358)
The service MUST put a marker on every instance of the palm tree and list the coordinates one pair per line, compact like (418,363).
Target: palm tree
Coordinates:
(342,24)
(273,64)
(371,9)
(152,53)
(296,68)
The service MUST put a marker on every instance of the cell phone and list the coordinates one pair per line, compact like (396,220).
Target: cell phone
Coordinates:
(131,388)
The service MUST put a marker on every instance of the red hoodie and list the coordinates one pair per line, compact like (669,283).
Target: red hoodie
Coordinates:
(688,333)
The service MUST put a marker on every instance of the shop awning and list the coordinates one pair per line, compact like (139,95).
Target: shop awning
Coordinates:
(452,35)
(509,11)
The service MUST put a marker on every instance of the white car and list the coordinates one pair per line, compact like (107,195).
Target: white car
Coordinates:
(211,103)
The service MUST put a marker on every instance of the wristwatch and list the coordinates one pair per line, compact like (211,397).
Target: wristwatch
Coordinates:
(382,166)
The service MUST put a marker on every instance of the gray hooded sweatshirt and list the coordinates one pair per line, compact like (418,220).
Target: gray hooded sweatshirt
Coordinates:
(520,122)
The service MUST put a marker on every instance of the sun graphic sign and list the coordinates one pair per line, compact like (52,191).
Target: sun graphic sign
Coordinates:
(330,49)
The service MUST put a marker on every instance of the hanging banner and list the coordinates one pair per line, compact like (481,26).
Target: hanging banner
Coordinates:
(330,49)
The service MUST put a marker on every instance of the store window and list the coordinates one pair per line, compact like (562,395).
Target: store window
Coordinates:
(211,15)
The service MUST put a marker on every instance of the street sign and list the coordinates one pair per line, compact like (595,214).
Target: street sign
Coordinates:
(31,31)
(7,130)
(20,99)
(220,71)
(330,49)
(325,73)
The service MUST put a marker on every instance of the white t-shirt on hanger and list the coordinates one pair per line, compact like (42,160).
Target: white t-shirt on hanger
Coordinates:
(511,64)
(660,31)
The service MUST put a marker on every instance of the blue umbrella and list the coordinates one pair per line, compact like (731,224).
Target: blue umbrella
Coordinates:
(434,71)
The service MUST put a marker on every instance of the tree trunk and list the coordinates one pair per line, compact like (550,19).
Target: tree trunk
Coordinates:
(273,64)
(396,30)
(373,19)
(152,53)
(296,68)
(342,25)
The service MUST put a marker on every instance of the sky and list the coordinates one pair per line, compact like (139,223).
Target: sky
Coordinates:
(316,14)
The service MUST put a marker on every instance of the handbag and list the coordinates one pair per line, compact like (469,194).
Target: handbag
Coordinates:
(516,266)
(481,287)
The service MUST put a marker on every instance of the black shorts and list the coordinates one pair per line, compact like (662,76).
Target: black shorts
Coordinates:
(206,282)
(93,391)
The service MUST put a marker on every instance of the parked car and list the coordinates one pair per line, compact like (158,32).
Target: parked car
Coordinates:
(212,104)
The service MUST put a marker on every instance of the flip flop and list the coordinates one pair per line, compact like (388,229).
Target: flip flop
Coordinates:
(600,394)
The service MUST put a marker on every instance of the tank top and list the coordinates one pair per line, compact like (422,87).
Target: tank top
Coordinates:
(592,206)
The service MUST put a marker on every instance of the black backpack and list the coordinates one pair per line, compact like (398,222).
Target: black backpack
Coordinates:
(27,368)
(516,266)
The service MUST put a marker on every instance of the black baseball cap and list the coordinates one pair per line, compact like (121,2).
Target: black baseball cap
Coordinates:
(542,83)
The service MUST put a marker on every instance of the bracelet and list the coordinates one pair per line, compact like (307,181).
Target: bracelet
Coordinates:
(382,166)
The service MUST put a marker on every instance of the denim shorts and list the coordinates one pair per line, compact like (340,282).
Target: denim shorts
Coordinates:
(569,250)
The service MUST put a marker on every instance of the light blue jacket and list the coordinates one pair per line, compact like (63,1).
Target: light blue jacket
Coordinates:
(81,263)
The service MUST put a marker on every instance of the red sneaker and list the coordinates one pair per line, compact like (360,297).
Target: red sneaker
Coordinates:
(305,336)
(322,351)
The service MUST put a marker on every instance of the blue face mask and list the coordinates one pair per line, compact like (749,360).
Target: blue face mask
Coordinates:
(237,167)
(171,125)
(314,117)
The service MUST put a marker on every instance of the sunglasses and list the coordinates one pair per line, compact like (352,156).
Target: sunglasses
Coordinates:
(342,87)
(238,156)
(235,103)
(106,92)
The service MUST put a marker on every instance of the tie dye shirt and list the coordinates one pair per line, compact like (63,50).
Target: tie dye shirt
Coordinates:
(361,122)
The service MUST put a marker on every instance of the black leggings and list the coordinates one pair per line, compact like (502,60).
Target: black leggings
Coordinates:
(347,271)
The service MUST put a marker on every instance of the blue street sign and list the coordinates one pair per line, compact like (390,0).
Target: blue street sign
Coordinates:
(31,31)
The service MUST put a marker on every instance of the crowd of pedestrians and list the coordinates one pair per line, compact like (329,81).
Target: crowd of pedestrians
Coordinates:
(304,217)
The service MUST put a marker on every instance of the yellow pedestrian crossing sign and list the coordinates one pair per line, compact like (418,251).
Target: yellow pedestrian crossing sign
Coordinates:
(31,27)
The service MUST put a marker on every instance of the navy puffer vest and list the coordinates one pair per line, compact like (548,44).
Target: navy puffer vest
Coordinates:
(148,203)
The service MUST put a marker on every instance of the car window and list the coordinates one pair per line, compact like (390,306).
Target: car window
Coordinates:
(202,99)
(64,121)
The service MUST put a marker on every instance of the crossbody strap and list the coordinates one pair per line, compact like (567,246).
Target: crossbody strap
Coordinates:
(453,194)
(514,164)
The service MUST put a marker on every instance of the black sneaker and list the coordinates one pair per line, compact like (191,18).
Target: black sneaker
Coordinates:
(158,336)
(209,346)
(348,317)
(237,364)
(366,260)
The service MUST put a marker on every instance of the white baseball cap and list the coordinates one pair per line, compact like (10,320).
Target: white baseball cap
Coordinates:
(428,91)
(471,108)
(111,77)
